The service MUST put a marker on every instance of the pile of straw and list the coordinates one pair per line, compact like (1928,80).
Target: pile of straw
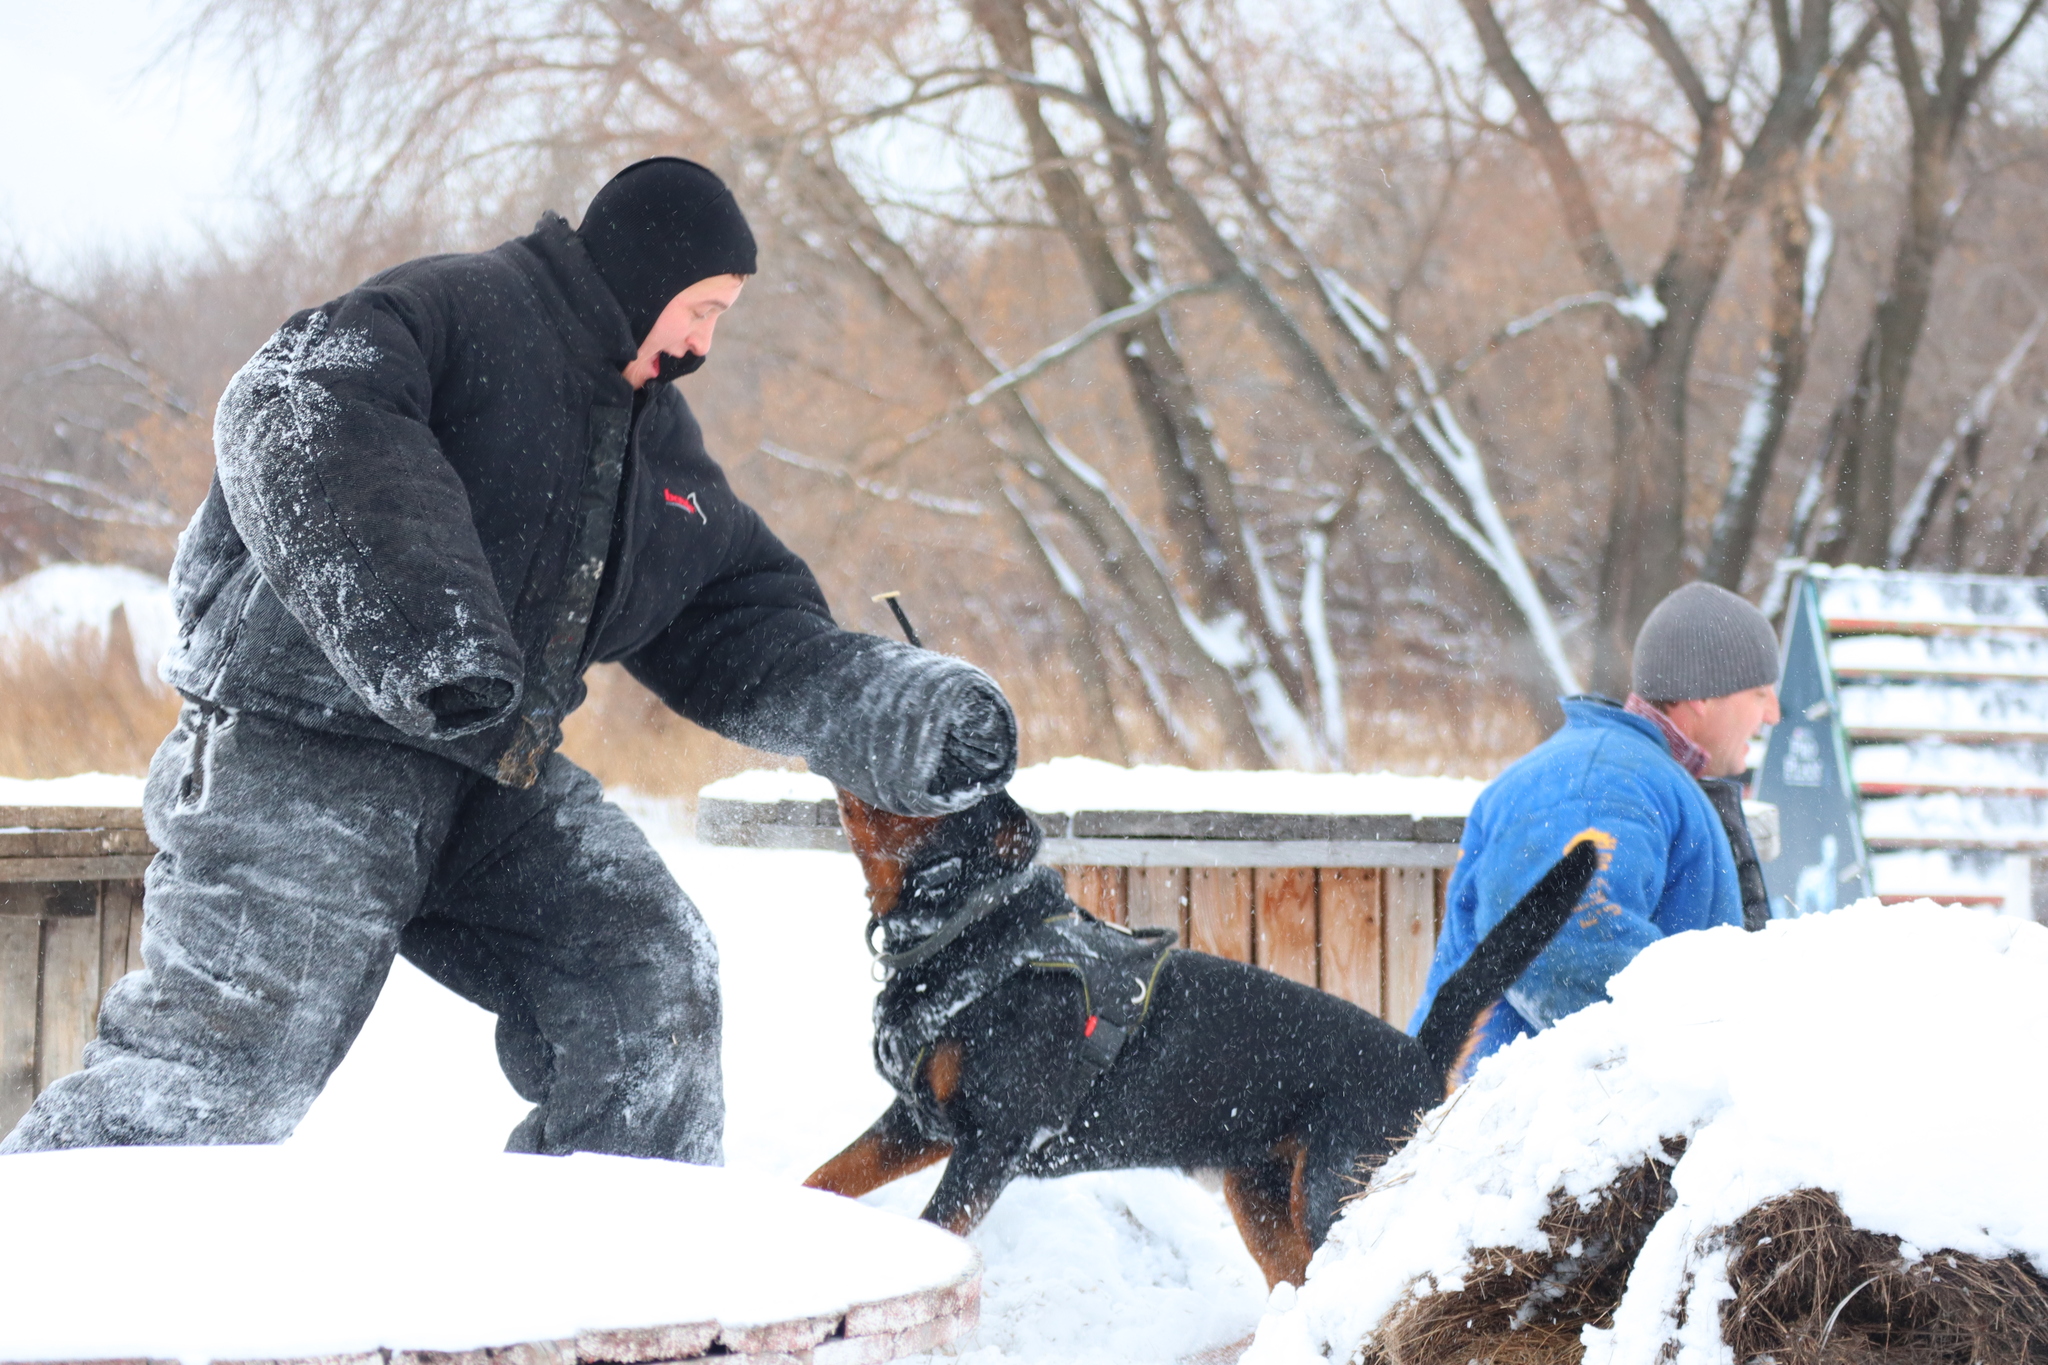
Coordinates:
(1810,1289)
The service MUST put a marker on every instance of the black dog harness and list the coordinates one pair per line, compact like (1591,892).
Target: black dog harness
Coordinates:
(1117,969)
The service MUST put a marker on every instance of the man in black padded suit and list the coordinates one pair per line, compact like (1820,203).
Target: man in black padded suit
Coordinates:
(439,499)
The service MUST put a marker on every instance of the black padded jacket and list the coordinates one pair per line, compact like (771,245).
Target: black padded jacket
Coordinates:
(437,502)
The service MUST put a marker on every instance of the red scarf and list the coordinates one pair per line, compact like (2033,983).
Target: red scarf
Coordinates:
(1690,756)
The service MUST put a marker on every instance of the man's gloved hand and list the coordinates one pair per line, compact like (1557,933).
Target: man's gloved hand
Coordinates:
(979,752)
(912,731)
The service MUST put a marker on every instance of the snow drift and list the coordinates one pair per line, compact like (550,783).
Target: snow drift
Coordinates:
(1815,1142)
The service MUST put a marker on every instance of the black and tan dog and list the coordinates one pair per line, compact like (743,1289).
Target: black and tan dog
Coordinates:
(1156,1058)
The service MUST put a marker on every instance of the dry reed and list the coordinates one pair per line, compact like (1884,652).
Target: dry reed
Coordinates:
(80,707)
(83,707)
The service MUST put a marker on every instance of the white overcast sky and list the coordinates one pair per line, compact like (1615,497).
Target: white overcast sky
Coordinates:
(98,156)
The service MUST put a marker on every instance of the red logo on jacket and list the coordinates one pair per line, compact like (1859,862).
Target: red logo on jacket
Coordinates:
(686,501)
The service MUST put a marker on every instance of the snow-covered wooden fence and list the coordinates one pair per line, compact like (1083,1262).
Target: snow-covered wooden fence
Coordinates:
(1334,880)
(70,926)
(1944,693)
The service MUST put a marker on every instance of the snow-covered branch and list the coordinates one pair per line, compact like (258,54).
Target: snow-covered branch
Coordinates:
(1315,628)
(50,486)
(1484,527)
(1060,350)
(931,502)
(1066,347)
(1913,519)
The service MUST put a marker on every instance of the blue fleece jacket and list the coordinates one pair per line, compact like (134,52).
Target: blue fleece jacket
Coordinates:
(1665,866)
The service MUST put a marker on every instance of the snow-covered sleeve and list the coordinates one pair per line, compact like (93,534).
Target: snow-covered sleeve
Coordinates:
(1613,920)
(757,658)
(358,522)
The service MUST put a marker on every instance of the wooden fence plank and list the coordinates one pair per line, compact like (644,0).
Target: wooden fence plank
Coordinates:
(1098,890)
(42,900)
(28,899)
(135,926)
(1112,901)
(1076,881)
(1285,920)
(1410,938)
(96,869)
(120,907)
(1220,911)
(69,996)
(1352,961)
(72,843)
(1158,899)
(21,941)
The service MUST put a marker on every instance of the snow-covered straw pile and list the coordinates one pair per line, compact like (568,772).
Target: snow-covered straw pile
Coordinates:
(1819,1142)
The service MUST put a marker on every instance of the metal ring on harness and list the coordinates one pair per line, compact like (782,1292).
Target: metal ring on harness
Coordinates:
(976,906)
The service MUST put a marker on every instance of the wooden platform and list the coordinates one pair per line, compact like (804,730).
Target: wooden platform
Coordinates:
(70,926)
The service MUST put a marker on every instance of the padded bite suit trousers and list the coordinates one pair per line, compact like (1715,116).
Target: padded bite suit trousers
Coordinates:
(294,864)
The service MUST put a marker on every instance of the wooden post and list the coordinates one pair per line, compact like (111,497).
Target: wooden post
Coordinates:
(1352,964)
(120,932)
(1220,911)
(20,967)
(1410,938)
(1158,899)
(1285,921)
(69,992)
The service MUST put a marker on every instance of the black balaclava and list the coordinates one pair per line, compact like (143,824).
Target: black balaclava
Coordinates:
(657,228)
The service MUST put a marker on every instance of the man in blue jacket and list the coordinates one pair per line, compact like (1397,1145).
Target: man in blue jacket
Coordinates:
(1705,676)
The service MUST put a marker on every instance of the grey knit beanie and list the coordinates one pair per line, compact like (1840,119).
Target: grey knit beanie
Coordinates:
(1703,641)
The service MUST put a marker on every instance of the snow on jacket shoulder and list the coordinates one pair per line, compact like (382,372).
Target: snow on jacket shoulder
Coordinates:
(409,536)
(1667,868)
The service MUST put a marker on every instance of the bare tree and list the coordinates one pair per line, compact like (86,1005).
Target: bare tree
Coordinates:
(1802,250)
(1940,89)
(1652,328)
(90,434)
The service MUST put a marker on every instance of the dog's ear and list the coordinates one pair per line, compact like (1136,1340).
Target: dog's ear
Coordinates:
(884,842)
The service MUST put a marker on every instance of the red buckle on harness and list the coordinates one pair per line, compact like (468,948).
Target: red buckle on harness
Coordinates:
(1089,1030)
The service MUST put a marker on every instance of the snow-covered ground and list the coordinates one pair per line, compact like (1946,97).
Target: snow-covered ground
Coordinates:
(1122,1269)
(1885,1054)
(299,1251)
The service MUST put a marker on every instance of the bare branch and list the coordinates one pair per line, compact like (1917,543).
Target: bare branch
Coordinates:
(1108,322)
(1582,220)
(931,502)
(1045,360)
(1989,64)
(1913,519)
(1672,53)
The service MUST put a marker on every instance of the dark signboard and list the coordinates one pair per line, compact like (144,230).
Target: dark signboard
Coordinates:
(1822,863)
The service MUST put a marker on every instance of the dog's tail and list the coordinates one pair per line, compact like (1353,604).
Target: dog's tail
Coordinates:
(1506,953)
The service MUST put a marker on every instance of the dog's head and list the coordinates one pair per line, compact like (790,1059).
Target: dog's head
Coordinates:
(932,860)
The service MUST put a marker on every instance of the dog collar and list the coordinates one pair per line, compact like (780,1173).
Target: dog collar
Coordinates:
(959,922)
